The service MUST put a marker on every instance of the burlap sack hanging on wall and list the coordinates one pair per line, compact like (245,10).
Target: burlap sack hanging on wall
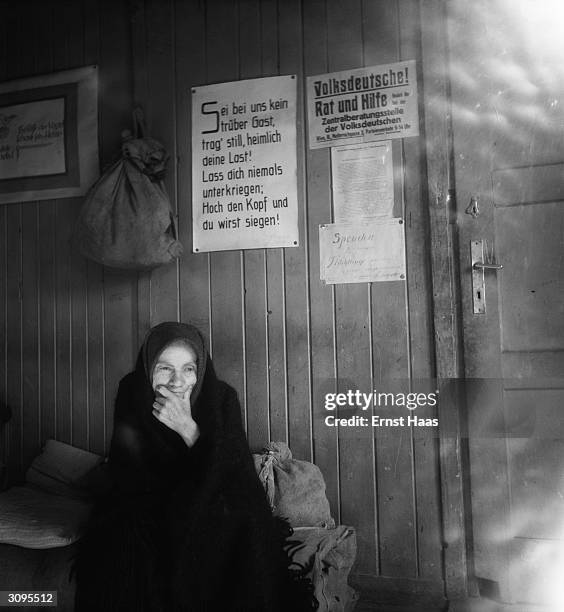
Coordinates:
(126,219)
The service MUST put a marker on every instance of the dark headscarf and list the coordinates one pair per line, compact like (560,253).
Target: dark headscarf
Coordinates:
(164,334)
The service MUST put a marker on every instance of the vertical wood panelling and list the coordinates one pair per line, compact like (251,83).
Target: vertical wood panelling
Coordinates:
(13,284)
(29,294)
(70,329)
(394,458)
(161,112)
(4,434)
(323,366)
(425,443)
(356,455)
(120,290)
(14,336)
(63,300)
(97,439)
(43,64)
(140,99)
(53,368)
(95,362)
(47,357)
(274,260)
(277,345)
(295,270)
(30,331)
(227,306)
(257,413)
(79,339)
(77,270)
(194,267)
(65,47)
(449,360)
(119,338)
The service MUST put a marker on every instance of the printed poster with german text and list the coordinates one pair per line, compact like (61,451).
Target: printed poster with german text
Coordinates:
(363,105)
(244,169)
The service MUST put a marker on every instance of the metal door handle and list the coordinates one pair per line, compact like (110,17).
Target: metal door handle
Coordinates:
(478,281)
(487,266)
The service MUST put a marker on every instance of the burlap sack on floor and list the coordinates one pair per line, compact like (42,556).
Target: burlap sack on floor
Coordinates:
(295,489)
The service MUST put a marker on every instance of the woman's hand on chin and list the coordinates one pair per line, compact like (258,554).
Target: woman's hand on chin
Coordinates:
(175,411)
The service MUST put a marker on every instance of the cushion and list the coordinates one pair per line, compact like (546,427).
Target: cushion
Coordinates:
(62,469)
(32,518)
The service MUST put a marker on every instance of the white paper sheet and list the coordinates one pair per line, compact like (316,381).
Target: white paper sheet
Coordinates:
(362,252)
(363,181)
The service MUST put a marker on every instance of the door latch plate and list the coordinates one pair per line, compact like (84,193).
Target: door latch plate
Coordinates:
(478,285)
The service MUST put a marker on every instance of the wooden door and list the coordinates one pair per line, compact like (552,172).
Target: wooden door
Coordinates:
(507,79)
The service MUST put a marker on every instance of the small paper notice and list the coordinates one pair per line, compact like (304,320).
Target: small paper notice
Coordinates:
(32,139)
(366,251)
(363,181)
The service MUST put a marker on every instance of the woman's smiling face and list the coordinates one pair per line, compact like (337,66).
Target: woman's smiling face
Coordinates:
(176,368)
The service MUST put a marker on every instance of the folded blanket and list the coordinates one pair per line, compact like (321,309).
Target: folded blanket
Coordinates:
(328,556)
(32,518)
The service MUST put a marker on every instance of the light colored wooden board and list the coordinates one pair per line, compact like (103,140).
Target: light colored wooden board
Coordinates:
(321,296)
(425,443)
(296,278)
(30,333)
(96,416)
(353,321)
(254,271)
(63,301)
(445,294)
(274,264)
(194,268)
(47,319)
(160,114)
(14,397)
(119,319)
(226,295)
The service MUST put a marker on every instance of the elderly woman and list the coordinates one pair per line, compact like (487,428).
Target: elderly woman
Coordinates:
(187,526)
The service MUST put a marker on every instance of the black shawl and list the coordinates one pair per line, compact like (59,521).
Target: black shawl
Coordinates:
(184,529)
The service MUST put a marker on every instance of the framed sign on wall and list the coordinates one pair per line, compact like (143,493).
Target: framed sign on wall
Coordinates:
(49,135)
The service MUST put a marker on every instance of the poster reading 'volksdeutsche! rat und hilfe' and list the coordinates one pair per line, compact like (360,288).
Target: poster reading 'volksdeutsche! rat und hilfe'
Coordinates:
(363,105)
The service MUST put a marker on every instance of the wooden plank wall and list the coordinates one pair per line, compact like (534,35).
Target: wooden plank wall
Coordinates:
(70,329)
(63,340)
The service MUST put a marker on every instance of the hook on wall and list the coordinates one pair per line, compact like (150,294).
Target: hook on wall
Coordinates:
(473,208)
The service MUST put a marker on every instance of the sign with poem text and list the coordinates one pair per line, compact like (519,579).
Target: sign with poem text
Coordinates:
(244,172)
